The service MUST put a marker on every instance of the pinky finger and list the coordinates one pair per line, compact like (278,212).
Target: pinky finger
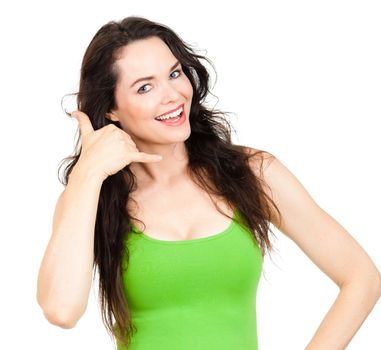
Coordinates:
(145,157)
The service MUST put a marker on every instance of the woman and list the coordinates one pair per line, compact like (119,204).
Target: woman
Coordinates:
(173,215)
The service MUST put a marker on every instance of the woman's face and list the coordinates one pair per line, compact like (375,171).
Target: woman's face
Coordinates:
(138,103)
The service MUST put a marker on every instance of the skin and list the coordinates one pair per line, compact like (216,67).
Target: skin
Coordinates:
(137,107)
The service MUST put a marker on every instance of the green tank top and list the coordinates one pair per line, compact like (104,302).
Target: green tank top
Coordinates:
(195,294)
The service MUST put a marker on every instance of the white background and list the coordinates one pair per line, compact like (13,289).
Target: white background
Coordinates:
(303,80)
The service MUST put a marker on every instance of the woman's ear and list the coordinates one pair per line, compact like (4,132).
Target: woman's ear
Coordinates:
(112,116)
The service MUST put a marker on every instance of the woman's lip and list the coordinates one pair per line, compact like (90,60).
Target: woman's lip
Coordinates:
(175,109)
(171,122)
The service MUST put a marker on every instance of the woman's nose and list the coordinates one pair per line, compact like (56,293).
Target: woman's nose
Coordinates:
(170,93)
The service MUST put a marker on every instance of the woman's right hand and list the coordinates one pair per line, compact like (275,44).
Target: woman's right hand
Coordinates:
(108,149)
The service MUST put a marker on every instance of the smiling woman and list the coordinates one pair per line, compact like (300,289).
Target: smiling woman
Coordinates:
(138,108)
(187,278)
(202,182)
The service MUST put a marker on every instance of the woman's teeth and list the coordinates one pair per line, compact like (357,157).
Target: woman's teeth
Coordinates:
(171,115)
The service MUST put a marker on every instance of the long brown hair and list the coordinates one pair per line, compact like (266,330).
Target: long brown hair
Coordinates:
(218,166)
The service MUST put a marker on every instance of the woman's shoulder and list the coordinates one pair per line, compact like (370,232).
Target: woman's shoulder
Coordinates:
(259,160)
(281,185)
(268,167)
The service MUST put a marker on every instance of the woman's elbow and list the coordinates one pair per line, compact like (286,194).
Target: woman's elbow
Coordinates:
(58,320)
(62,317)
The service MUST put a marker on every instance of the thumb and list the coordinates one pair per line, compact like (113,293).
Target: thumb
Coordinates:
(84,122)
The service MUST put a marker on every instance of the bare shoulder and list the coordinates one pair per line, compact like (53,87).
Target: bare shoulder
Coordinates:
(259,160)
(296,205)
(280,184)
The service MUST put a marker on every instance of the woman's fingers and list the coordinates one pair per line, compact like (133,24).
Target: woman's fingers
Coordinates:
(144,157)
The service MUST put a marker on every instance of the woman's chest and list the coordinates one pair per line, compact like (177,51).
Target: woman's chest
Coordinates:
(180,213)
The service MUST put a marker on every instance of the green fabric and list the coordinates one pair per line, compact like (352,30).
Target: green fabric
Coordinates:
(197,294)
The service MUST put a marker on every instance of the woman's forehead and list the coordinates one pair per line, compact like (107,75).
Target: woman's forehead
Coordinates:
(148,57)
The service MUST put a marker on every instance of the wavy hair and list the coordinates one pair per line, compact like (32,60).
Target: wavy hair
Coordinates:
(220,167)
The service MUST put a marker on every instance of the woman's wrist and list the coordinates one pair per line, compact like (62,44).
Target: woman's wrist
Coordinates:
(84,173)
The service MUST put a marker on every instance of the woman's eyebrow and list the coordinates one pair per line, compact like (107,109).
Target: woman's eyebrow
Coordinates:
(152,77)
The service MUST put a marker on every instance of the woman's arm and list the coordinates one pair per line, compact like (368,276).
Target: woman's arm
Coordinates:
(65,274)
(332,249)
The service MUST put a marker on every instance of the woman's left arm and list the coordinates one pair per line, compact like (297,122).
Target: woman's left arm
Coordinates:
(332,249)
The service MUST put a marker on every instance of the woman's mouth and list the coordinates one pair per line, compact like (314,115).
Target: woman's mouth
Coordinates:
(173,119)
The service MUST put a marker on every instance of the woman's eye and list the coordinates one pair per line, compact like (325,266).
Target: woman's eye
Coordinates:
(177,71)
(141,89)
